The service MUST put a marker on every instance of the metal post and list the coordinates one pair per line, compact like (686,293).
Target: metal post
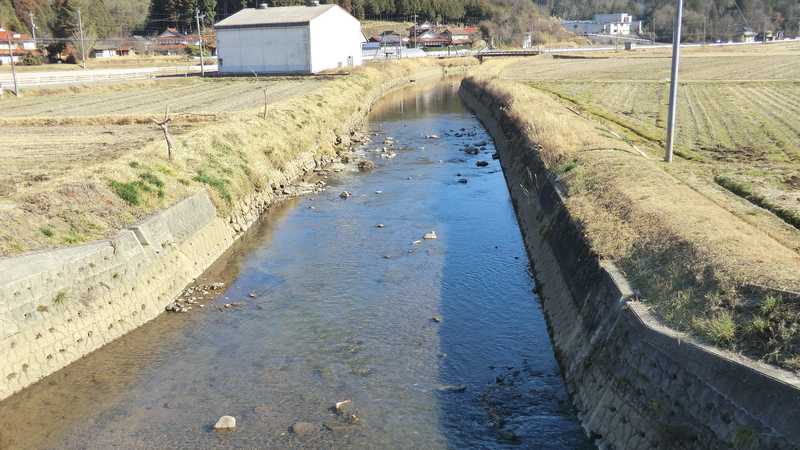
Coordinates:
(83,40)
(13,67)
(200,34)
(673,86)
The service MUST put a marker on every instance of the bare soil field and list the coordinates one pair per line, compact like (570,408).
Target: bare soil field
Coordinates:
(751,63)
(53,133)
(712,240)
(182,95)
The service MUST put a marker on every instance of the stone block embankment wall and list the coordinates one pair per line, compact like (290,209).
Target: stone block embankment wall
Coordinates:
(635,384)
(59,305)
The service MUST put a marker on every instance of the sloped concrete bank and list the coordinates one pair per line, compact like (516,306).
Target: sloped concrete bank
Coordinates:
(59,305)
(635,383)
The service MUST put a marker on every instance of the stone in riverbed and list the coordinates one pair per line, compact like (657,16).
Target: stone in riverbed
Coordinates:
(452,388)
(482,163)
(366,165)
(345,195)
(302,428)
(225,423)
(343,407)
(463,180)
(471,150)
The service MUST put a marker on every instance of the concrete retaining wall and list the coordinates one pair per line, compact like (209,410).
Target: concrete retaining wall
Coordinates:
(57,306)
(635,383)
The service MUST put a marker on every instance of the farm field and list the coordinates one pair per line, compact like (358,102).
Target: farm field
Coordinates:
(775,62)
(712,241)
(51,135)
(737,116)
(190,95)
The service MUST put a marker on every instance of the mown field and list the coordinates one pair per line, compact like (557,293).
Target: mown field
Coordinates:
(711,241)
(50,133)
(737,116)
(189,95)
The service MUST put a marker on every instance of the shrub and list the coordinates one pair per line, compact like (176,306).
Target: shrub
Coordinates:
(127,191)
(31,59)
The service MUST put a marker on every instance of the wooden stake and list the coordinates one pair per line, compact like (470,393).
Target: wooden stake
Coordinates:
(265,103)
(164,124)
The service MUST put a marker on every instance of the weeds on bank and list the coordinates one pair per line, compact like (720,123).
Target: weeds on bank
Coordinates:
(218,184)
(60,298)
(133,192)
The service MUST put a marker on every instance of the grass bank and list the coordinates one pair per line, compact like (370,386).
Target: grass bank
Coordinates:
(706,262)
(232,156)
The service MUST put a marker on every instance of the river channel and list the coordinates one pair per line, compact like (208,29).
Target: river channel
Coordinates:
(438,343)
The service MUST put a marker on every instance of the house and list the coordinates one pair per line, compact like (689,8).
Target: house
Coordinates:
(610,24)
(460,36)
(289,39)
(170,43)
(110,48)
(432,38)
(21,45)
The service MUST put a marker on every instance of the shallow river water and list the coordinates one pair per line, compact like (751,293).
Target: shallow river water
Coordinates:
(343,309)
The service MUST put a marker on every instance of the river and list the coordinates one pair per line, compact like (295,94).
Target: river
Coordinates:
(438,343)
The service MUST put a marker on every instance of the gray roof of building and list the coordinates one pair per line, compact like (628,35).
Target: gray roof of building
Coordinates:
(274,16)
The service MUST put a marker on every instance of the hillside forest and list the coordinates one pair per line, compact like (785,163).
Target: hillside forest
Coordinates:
(501,19)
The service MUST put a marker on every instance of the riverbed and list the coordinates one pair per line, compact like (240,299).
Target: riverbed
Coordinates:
(438,343)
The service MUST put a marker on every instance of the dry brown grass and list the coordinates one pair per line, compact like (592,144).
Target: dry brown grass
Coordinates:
(85,182)
(693,251)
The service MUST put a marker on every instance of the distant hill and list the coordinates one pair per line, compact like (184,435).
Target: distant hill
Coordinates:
(503,19)
(722,19)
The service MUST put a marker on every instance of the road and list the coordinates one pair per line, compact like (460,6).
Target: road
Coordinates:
(54,78)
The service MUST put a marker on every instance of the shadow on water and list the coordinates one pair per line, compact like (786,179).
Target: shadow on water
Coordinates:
(499,383)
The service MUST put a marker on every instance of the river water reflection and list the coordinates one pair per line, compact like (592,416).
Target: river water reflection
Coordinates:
(343,310)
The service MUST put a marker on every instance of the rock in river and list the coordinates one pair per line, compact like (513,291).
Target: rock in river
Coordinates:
(225,423)
(301,428)
(345,195)
(482,163)
(452,388)
(366,165)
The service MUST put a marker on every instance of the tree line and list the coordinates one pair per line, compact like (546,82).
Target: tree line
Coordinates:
(715,19)
(712,19)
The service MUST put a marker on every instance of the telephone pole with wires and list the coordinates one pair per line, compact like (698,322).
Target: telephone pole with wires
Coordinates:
(673,85)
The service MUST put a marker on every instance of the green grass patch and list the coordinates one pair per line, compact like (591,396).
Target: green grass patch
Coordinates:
(720,329)
(60,298)
(47,231)
(218,184)
(127,191)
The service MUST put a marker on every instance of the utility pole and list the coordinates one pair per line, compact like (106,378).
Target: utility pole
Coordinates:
(200,35)
(673,86)
(33,29)
(13,67)
(415,30)
(83,40)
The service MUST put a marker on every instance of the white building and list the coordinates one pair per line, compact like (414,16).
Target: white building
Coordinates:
(21,44)
(291,39)
(611,24)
